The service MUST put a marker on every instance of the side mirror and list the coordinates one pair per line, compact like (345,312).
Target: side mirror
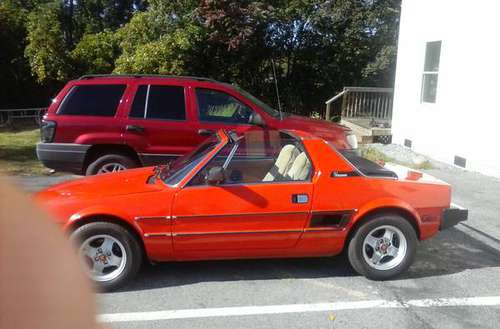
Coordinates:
(215,175)
(256,119)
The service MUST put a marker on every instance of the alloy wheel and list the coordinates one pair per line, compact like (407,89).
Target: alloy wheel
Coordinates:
(384,247)
(111,167)
(104,257)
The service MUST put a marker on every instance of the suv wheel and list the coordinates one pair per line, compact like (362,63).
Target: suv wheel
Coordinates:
(110,163)
(383,247)
(109,253)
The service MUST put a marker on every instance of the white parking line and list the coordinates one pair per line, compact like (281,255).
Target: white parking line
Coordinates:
(295,308)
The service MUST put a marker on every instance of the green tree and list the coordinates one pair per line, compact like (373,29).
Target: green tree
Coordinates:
(94,16)
(95,53)
(46,51)
(161,40)
(69,38)
(384,18)
(168,55)
(12,66)
(16,80)
(318,46)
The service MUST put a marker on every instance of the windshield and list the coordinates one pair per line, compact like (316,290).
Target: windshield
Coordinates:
(266,108)
(173,173)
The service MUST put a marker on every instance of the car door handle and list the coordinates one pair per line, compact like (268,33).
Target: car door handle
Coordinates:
(300,198)
(134,128)
(205,132)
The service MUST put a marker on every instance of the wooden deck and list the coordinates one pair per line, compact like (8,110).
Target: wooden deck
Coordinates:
(366,110)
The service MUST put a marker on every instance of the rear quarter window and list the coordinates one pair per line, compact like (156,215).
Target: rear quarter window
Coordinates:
(93,100)
(365,166)
(159,102)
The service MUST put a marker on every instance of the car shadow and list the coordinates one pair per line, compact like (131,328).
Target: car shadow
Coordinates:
(452,251)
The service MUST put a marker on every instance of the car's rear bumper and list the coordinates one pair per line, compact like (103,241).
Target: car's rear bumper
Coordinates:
(62,156)
(453,216)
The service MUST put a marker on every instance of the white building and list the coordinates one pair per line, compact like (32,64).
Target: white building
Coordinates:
(447,88)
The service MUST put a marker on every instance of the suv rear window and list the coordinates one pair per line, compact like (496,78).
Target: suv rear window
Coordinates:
(99,100)
(159,102)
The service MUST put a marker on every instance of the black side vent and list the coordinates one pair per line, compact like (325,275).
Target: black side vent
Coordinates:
(407,143)
(334,219)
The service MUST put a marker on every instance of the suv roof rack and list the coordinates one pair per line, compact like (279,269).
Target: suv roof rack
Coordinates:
(93,76)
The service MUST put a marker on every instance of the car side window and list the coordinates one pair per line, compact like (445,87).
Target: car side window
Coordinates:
(98,100)
(217,106)
(159,102)
(245,163)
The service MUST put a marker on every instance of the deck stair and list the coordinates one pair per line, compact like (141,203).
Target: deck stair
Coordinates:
(366,110)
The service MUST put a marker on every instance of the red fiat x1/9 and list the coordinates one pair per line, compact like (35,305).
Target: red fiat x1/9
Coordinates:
(260,195)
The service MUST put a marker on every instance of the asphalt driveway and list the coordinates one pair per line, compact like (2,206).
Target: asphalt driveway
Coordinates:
(454,283)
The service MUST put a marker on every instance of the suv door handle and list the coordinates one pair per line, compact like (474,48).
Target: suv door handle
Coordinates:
(205,132)
(134,128)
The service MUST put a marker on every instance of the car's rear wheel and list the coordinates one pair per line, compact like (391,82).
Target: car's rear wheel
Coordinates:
(383,247)
(110,163)
(110,254)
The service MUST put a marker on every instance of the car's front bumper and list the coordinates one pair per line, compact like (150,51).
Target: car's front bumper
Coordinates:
(453,216)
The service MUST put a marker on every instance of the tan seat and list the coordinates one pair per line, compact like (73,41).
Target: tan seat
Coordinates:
(300,168)
(283,163)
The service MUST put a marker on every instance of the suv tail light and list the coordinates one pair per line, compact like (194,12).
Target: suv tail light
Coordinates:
(47,131)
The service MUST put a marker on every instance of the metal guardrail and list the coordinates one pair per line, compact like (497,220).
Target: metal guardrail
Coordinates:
(361,102)
(8,116)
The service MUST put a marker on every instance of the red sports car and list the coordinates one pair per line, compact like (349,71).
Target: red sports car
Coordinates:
(264,194)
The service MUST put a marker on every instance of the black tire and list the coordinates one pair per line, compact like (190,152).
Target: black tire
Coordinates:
(101,161)
(132,248)
(355,248)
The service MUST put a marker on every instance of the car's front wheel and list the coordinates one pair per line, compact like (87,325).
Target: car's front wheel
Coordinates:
(109,253)
(383,247)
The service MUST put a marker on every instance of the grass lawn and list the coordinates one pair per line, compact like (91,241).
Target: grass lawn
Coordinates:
(17,152)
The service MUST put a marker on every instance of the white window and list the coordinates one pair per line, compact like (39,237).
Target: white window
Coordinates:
(431,71)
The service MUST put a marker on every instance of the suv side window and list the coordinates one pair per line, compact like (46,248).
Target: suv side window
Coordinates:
(217,106)
(159,102)
(99,100)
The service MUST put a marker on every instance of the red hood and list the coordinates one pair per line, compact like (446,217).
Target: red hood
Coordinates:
(106,185)
(329,131)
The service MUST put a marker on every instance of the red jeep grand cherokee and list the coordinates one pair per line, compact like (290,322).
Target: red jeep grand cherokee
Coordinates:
(104,123)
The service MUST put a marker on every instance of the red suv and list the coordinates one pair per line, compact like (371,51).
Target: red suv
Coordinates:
(104,123)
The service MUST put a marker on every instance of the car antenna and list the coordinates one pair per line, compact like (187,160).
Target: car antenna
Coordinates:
(277,90)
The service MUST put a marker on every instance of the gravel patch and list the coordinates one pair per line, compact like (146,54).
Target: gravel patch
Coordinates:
(403,155)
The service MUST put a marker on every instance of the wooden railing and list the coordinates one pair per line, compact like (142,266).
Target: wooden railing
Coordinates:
(361,102)
(8,116)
